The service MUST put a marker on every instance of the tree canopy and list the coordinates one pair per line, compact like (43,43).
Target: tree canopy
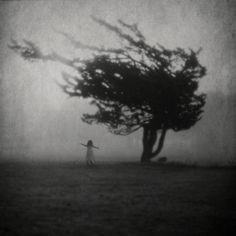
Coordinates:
(135,86)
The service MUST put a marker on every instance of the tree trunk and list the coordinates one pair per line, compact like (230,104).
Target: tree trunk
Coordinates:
(146,150)
(149,140)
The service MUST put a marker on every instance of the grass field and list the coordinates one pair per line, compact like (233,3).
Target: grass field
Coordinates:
(115,199)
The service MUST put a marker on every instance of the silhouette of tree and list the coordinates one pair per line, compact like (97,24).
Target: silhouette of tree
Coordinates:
(134,86)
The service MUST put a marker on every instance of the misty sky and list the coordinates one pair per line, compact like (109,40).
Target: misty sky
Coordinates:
(39,121)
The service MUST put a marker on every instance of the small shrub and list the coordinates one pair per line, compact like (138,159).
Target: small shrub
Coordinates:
(162,160)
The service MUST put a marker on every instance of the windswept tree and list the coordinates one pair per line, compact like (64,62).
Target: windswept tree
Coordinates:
(134,86)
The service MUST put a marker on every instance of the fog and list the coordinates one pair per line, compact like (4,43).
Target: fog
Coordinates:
(38,121)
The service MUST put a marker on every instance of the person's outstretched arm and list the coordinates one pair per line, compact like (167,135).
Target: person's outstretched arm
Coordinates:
(83,144)
(95,147)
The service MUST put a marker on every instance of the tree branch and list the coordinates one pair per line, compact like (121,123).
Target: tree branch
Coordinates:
(29,51)
(79,44)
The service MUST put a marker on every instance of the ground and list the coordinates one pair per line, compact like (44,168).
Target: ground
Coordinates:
(115,199)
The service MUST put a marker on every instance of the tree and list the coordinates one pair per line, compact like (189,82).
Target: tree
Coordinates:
(134,86)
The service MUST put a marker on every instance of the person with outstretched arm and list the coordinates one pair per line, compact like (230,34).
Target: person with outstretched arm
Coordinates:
(90,160)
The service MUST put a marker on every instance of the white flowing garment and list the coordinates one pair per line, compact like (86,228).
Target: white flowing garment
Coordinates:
(90,155)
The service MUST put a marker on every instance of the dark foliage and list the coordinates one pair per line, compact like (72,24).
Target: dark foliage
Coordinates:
(135,86)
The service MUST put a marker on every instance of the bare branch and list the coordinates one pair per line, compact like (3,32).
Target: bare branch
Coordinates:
(80,45)
(31,52)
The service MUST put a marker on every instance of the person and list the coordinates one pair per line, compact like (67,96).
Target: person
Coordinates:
(90,160)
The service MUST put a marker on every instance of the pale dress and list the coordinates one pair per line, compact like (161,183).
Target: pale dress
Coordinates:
(89,155)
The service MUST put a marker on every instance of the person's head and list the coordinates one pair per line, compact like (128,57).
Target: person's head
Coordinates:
(90,143)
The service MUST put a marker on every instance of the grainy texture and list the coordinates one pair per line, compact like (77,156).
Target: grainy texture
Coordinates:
(38,120)
(118,199)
